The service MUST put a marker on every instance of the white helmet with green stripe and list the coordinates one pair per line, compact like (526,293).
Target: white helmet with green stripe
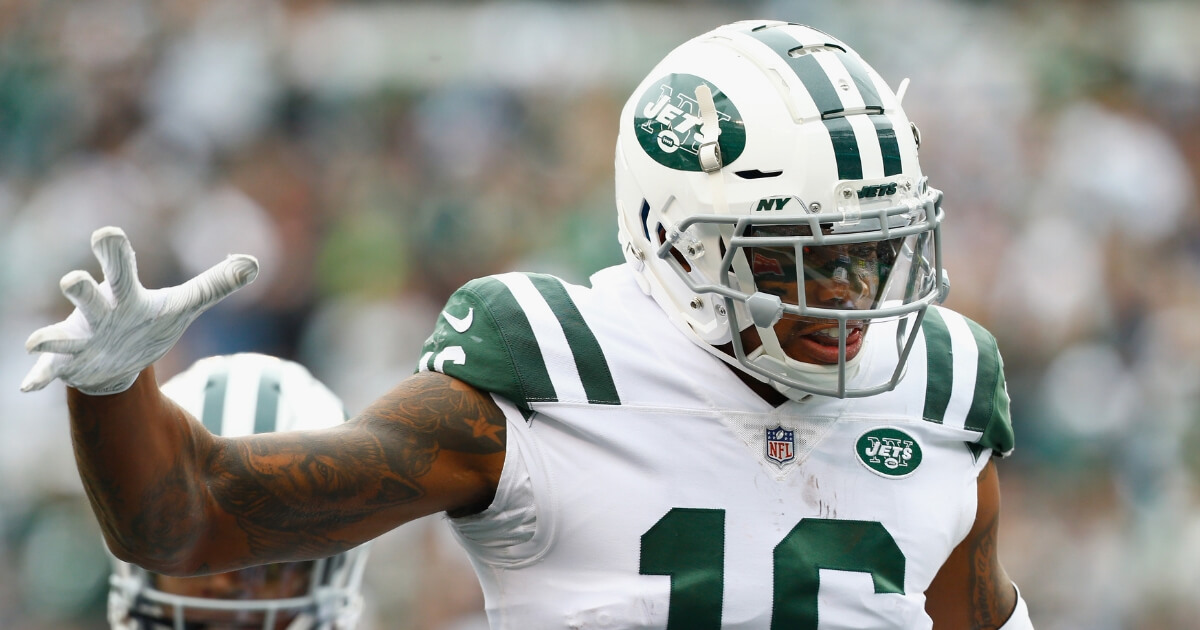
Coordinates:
(768,184)
(236,395)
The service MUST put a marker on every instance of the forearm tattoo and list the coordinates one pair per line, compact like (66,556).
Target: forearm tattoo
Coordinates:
(985,574)
(297,492)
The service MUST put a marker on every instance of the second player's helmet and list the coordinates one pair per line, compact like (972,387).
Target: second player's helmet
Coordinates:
(769,193)
(235,395)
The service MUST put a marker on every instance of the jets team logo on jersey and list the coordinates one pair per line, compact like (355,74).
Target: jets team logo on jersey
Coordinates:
(781,445)
(667,123)
(889,452)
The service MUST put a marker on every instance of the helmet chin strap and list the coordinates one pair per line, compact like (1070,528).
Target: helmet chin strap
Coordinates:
(823,376)
(820,376)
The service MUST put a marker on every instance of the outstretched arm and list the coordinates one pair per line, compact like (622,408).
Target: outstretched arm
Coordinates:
(972,591)
(175,499)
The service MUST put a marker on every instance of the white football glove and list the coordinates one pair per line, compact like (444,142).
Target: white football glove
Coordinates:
(119,327)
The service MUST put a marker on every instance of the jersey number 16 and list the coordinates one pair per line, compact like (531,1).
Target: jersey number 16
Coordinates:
(688,544)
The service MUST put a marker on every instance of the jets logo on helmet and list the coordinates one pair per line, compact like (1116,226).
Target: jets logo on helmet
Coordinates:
(669,127)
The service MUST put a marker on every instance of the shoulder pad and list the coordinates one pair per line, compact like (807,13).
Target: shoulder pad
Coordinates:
(519,336)
(965,380)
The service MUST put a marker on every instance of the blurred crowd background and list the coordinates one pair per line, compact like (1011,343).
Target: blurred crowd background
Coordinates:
(374,156)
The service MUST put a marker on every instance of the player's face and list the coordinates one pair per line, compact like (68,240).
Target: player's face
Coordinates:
(846,277)
(273,581)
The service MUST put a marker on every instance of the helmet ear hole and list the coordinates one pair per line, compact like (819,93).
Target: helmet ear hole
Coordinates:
(645,213)
(662,238)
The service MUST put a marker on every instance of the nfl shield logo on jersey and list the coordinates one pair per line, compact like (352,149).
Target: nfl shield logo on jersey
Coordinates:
(781,445)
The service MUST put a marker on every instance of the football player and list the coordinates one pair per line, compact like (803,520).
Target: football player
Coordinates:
(763,419)
(237,395)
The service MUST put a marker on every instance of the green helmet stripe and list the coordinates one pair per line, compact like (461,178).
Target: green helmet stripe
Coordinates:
(828,100)
(890,148)
(589,357)
(845,148)
(266,408)
(939,373)
(862,79)
(213,411)
(806,67)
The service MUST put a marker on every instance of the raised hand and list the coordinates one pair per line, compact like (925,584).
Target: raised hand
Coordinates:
(119,327)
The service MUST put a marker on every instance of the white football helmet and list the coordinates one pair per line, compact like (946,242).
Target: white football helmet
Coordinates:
(769,193)
(236,395)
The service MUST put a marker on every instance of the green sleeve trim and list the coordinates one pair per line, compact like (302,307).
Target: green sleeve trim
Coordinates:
(999,433)
(498,352)
(987,375)
(585,349)
(990,413)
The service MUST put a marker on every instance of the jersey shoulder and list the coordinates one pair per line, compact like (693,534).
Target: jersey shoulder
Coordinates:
(521,336)
(964,379)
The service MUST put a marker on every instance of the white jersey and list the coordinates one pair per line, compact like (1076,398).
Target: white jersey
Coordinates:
(646,486)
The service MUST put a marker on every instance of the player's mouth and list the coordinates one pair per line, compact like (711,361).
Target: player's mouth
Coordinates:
(822,344)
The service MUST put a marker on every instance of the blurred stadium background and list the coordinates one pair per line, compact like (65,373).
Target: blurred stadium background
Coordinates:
(376,155)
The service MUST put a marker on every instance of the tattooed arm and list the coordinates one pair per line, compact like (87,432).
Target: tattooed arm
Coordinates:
(972,591)
(176,499)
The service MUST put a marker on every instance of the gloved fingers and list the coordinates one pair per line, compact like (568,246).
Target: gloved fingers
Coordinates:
(216,283)
(61,345)
(117,260)
(58,338)
(84,293)
(40,375)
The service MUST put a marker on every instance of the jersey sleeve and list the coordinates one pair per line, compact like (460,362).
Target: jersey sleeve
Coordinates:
(483,338)
(965,385)
(990,412)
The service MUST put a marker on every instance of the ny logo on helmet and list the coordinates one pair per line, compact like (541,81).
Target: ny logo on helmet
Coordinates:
(772,203)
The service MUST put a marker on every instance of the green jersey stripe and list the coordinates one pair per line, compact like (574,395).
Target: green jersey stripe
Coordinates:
(556,352)
(888,145)
(939,373)
(845,148)
(266,408)
(964,351)
(987,378)
(518,336)
(213,412)
(589,357)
